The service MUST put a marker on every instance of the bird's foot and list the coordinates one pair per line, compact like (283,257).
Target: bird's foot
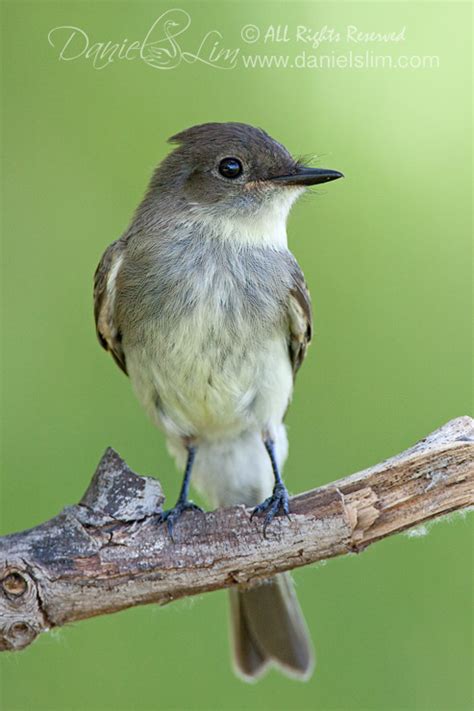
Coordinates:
(172,515)
(277,502)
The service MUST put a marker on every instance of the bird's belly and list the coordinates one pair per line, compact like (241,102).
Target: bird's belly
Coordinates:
(211,384)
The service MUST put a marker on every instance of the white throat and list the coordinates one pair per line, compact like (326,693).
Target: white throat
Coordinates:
(264,228)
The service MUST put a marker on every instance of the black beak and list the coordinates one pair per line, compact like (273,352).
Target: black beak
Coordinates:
(308,176)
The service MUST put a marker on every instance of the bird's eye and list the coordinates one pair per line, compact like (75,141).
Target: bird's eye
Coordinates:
(230,167)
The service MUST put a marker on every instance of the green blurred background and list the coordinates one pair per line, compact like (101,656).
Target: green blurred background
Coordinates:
(386,253)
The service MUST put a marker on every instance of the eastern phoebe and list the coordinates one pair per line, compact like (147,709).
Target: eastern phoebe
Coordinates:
(202,304)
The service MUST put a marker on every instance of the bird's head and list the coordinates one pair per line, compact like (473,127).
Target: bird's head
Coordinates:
(233,170)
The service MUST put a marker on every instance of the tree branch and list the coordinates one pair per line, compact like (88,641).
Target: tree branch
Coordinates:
(108,553)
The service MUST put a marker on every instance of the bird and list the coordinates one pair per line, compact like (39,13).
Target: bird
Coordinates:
(203,306)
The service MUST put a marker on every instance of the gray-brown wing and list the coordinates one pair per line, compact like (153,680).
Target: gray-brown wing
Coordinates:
(300,317)
(105,279)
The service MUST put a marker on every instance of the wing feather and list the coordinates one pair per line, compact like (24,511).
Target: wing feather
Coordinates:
(105,279)
(300,318)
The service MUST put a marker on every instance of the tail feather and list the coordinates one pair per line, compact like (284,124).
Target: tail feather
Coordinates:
(268,627)
(249,661)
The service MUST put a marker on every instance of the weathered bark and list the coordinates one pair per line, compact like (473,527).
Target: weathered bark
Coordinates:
(108,552)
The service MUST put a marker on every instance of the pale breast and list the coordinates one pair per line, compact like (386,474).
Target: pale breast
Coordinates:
(205,336)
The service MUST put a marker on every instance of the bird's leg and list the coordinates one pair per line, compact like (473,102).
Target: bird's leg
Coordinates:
(279,500)
(183,504)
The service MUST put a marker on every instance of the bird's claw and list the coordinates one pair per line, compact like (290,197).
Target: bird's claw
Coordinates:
(277,502)
(172,515)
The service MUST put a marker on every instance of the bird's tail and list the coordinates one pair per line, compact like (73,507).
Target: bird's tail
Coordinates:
(268,627)
(267,624)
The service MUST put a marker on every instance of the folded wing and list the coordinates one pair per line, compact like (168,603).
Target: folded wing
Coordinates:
(105,284)
(300,318)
